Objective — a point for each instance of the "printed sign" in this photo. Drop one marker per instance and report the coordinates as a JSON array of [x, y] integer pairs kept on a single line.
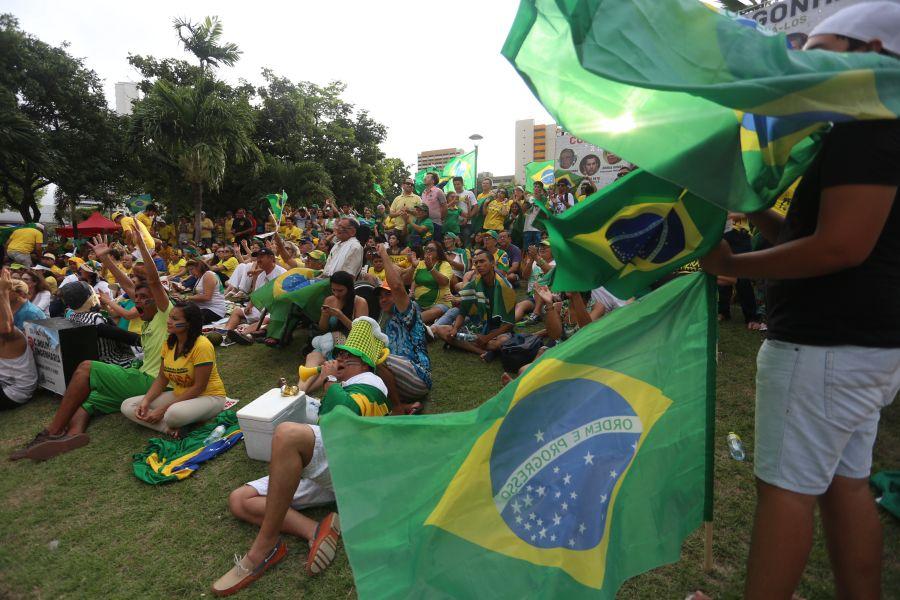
[[45, 346], [796, 18], [586, 160]]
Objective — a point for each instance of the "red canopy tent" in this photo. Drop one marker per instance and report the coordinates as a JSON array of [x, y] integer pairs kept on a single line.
[[93, 225]]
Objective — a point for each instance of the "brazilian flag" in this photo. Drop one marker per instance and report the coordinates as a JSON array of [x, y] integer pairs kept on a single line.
[[714, 103], [539, 171], [591, 467], [295, 287], [137, 204], [573, 179], [629, 234], [378, 190], [276, 204], [461, 166]]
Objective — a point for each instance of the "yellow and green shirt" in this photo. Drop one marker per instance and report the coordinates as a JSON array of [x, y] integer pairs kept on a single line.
[[364, 394]]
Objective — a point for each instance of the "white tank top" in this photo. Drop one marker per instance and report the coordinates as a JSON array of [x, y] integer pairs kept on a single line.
[[19, 376], [216, 303]]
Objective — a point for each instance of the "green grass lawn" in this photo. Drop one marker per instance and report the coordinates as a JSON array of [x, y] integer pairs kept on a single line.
[[121, 538]]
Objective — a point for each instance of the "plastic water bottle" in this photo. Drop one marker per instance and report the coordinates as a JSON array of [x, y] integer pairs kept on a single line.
[[215, 435], [464, 336], [736, 446]]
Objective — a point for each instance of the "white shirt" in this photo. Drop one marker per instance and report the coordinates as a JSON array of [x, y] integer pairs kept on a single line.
[[530, 215], [609, 302], [345, 256], [466, 202], [264, 278], [42, 300], [367, 378], [559, 205]]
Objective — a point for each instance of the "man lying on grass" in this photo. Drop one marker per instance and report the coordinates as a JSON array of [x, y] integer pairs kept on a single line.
[[97, 387], [298, 472]]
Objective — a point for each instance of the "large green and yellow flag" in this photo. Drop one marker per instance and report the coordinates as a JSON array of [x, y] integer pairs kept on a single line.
[[591, 467], [629, 234], [694, 96], [539, 171], [419, 184], [296, 287], [461, 166], [276, 203]]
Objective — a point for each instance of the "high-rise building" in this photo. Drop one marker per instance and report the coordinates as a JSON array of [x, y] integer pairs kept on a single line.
[[533, 142], [436, 159], [126, 93]]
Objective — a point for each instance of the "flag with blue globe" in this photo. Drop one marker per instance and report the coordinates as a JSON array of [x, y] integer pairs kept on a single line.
[[589, 468]]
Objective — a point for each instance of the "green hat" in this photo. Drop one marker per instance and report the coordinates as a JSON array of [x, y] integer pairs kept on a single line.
[[493, 234], [450, 234], [366, 341], [317, 255]]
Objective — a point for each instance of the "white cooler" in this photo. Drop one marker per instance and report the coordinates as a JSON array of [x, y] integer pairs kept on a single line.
[[259, 419]]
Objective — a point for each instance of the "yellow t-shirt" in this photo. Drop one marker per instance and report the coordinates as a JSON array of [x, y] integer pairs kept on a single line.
[[143, 218], [400, 202], [401, 260], [61, 271], [290, 232], [379, 274], [129, 224], [51, 284], [228, 235], [168, 233], [180, 370], [24, 239], [176, 265], [110, 278], [206, 228], [496, 211], [228, 266]]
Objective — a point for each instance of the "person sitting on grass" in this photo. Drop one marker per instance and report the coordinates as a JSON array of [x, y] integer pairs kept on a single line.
[[97, 387], [298, 471], [431, 282], [486, 307], [113, 344], [339, 310], [207, 294], [407, 370], [501, 258], [18, 373], [189, 367], [538, 263]]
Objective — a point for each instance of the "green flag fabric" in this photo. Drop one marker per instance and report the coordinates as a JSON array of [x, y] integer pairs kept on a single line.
[[460, 166], [692, 95], [591, 467], [137, 204], [378, 189], [419, 182], [629, 234], [276, 203], [296, 287], [166, 460], [539, 171], [573, 178]]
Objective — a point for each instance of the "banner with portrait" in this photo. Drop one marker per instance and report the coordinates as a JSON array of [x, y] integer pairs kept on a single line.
[[587, 161]]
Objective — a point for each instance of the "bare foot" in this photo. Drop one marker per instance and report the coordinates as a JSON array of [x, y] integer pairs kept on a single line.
[[505, 378]]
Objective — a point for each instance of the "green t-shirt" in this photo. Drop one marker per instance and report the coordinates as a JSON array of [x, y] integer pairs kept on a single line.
[[364, 394], [451, 221], [427, 234], [153, 335]]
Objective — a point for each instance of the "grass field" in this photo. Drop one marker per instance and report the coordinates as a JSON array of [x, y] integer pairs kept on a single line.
[[121, 538]]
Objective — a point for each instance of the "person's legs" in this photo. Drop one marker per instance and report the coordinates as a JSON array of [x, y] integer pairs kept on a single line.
[[248, 505], [195, 410], [433, 313], [780, 542], [854, 538], [292, 448], [523, 307], [235, 318], [76, 393], [725, 292], [747, 299]]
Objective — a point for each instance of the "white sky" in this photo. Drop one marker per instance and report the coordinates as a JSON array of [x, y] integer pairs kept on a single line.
[[430, 70]]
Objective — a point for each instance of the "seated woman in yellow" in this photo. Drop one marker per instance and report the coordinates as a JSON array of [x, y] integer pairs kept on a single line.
[[227, 263], [178, 265], [189, 367], [431, 282]]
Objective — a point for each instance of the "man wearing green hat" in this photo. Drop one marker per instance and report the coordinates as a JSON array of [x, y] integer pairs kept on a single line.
[[501, 258], [298, 471]]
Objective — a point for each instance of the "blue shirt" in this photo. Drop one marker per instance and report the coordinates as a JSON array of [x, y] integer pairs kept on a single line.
[[27, 312], [406, 339]]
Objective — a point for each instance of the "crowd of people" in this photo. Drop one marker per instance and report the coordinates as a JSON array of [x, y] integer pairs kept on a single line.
[[451, 267]]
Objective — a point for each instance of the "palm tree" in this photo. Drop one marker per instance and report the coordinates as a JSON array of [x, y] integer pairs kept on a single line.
[[196, 129]]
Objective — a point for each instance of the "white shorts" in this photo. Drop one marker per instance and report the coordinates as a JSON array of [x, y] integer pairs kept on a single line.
[[817, 412], [315, 486]]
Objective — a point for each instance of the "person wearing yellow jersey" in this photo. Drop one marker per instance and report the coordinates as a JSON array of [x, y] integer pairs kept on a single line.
[[289, 231], [23, 242], [129, 225], [147, 217], [227, 263], [401, 211], [177, 267], [229, 220], [495, 210], [188, 367], [206, 230]]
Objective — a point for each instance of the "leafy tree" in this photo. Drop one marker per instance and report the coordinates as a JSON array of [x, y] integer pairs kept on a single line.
[[201, 128], [51, 110], [390, 173]]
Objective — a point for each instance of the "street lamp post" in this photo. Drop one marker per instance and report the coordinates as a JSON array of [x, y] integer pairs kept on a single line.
[[475, 137]]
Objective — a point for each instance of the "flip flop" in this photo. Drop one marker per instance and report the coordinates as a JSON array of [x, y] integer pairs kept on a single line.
[[241, 574], [324, 546]]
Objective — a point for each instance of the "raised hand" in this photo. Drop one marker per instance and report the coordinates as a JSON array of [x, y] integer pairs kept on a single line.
[[99, 246]]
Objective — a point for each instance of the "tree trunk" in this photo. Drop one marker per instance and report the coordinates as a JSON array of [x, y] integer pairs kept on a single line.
[[28, 207], [74, 220], [197, 193]]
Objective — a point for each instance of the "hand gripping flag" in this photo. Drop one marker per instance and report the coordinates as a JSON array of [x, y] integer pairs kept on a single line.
[[591, 467], [712, 103], [539, 171], [460, 166], [629, 234]]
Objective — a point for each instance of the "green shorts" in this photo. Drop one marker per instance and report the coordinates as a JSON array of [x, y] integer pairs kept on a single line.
[[111, 385]]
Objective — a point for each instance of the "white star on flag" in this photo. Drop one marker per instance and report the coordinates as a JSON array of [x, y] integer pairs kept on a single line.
[[565, 506], [603, 498], [573, 495], [539, 436], [540, 522], [552, 538], [543, 532], [556, 469], [634, 446], [532, 538], [613, 474], [541, 491], [567, 479], [572, 542], [527, 526], [516, 506], [527, 488], [519, 519], [588, 459], [532, 517], [556, 519], [581, 528], [528, 501], [557, 494]]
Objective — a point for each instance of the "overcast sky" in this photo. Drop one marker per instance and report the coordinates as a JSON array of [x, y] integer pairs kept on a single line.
[[430, 70]]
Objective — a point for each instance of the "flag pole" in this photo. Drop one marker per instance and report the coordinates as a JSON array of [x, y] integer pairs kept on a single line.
[[712, 336]]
